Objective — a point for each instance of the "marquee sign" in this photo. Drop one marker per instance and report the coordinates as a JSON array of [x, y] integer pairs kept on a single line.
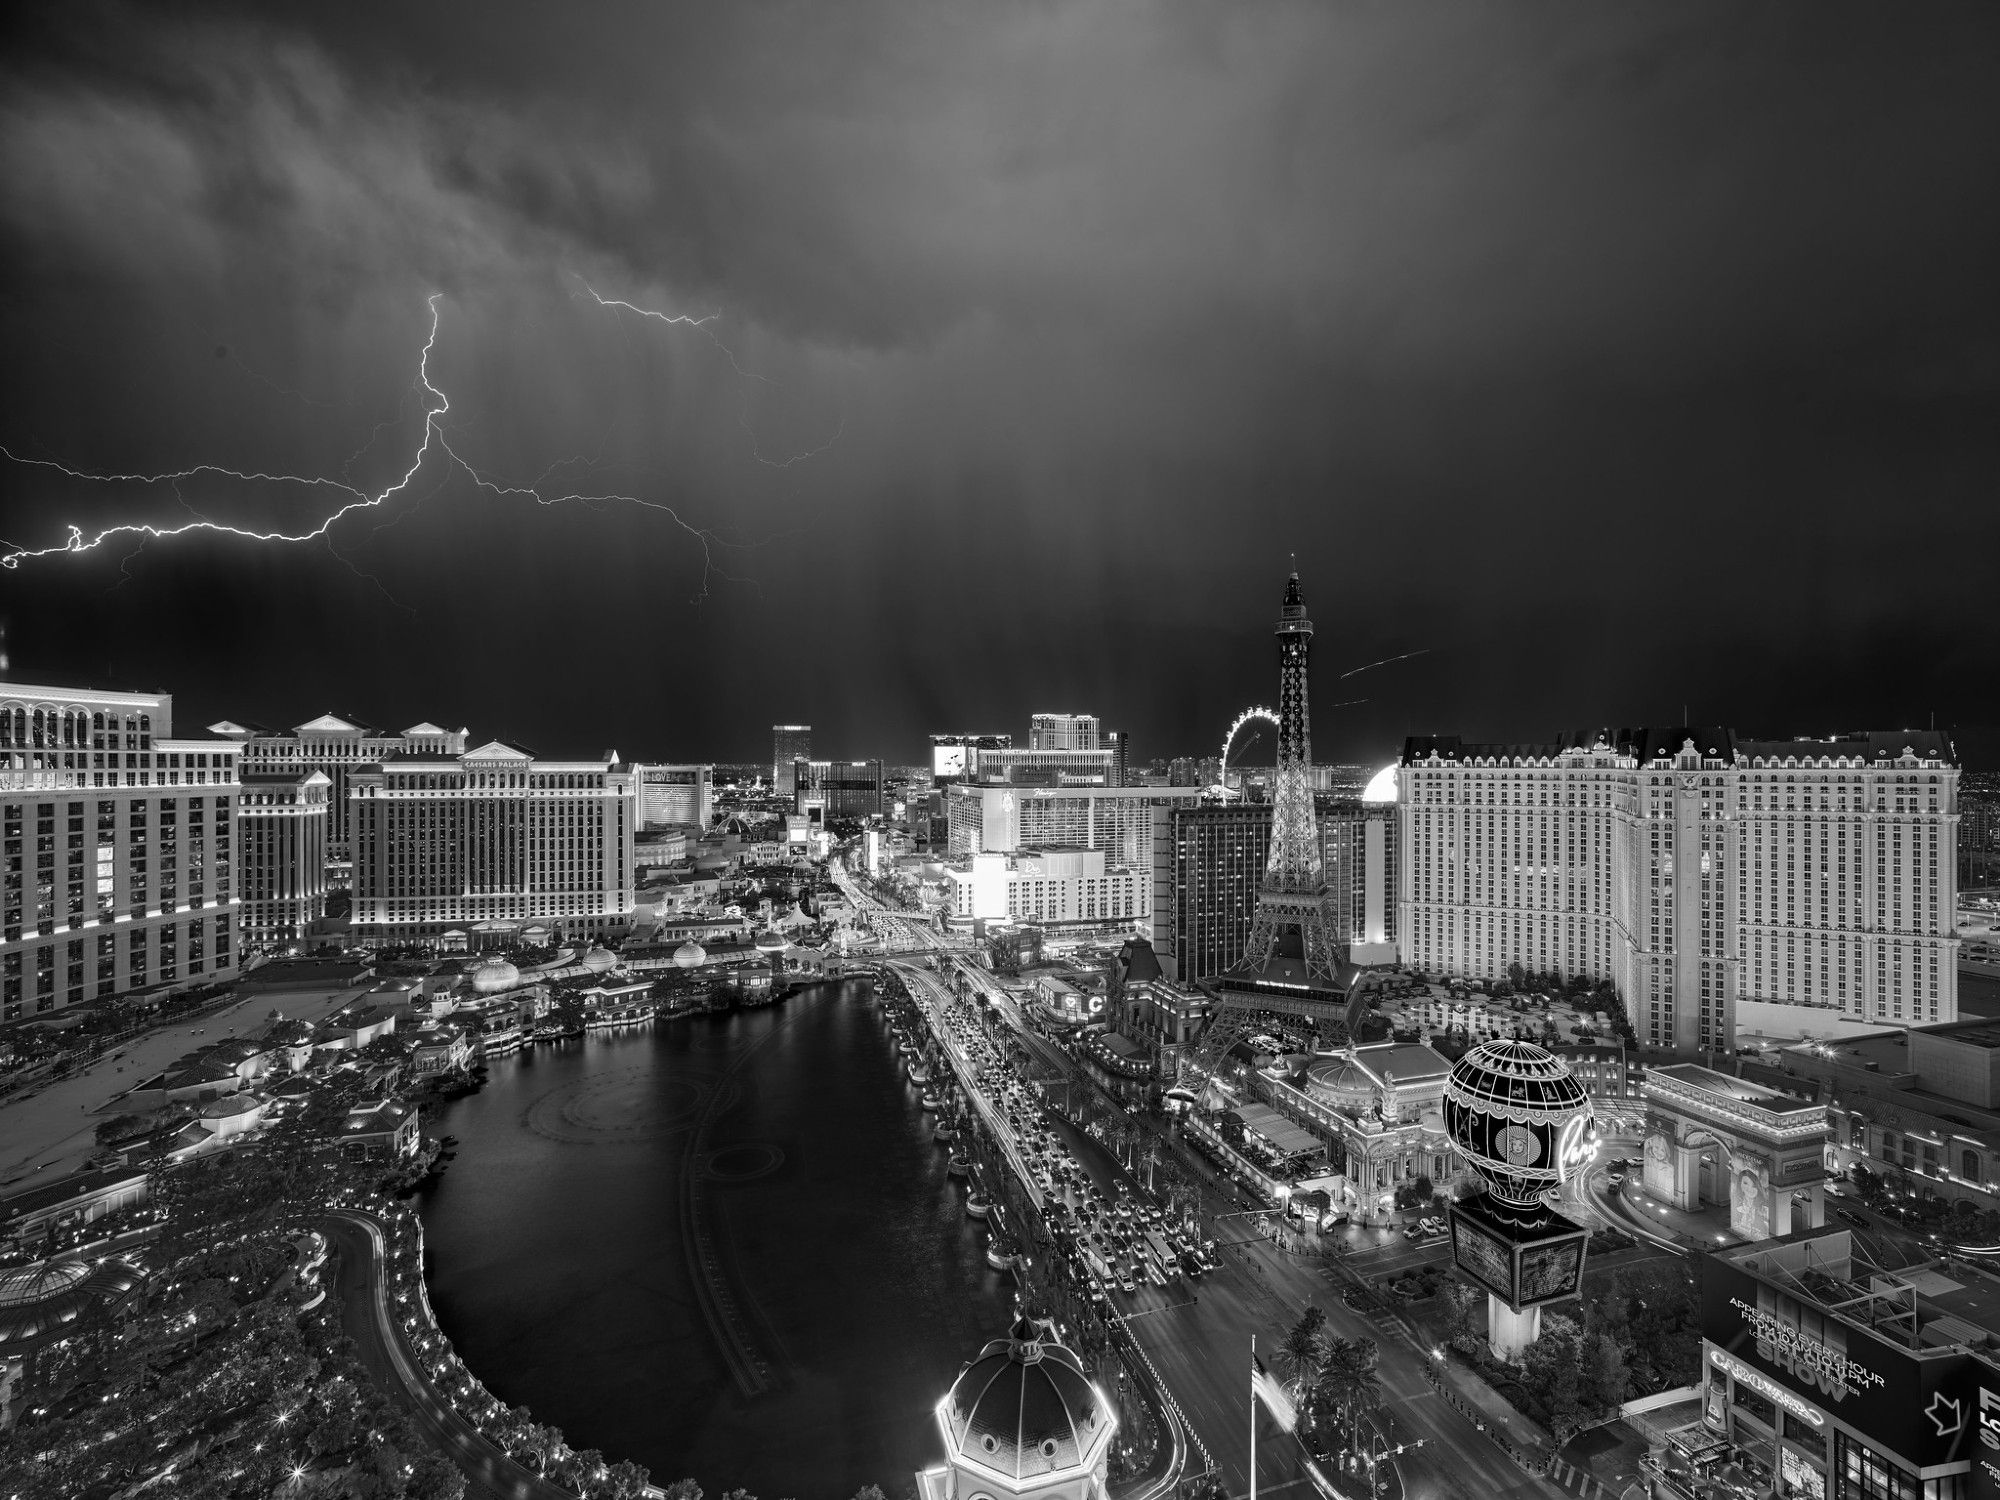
[[1816, 1367]]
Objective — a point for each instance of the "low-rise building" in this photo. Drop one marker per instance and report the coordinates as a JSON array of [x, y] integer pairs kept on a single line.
[[1159, 1017], [1611, 1074], [352, 1029], [661, 848], [383, 1130], [1378, 1110], [63, 1202], [436, 1050]]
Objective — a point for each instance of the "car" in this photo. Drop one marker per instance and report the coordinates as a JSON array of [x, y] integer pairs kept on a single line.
[[1128, 1285]]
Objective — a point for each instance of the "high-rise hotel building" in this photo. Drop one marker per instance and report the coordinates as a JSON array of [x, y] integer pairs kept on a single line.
[[1782, 885], [680, 796], [789, 742], [442, 842], [337, 748], [1003, 819], [1065, 732], [281, 882], [116, 848], [1209, 857]]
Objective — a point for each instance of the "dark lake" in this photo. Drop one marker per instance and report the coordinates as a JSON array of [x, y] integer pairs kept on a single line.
[[724, 1247]]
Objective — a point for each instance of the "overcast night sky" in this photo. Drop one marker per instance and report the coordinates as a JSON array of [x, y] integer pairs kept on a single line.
[[1618, 357]]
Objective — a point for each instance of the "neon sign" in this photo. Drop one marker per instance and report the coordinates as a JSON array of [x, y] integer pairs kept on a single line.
[[1766, 1387], [1573, 1152]]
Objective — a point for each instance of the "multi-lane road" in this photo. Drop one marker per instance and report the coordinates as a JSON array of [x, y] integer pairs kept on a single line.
[[1197, 1337], [489, 1473]]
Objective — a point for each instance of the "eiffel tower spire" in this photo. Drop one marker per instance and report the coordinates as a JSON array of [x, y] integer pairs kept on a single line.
[[1293, 900]]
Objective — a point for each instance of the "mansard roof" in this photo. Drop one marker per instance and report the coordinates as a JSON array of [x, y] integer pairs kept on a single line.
[[1645, 744], [1875, 746]]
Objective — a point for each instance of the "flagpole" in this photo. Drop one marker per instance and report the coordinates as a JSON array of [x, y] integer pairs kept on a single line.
[[1253, 1417]]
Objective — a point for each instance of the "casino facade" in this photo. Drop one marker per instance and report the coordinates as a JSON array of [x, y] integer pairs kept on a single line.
[[1830, 1378]]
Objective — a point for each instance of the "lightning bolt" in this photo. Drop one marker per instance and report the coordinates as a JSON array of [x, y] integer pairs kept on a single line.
[[687, 320], [435, 441], [1382, 663]]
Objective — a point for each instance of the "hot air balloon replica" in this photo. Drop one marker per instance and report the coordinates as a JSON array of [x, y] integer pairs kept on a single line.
[[1522, 1123]]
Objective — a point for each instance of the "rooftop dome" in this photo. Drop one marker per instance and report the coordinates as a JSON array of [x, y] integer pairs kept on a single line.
[[39, 1302], [690, 955], [1382, 787], [1342, 1082], [1519, 1116], [599, 961], [772, 942], [1025, 1409], [495, 975]]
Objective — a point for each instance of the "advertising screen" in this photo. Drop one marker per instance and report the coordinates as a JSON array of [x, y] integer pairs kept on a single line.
[[947, 760], [1484, 1257], [1549, 1272]]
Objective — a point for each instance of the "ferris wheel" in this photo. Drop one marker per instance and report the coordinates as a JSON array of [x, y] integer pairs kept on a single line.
[[1268, 716]]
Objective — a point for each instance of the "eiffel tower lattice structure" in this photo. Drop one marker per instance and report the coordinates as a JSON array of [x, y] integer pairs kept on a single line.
[[1291, 969]]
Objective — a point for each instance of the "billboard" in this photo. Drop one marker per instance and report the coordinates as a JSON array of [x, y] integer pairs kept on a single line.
[[1551, 1272], [947, 760], [1524, 1265], [1815, 1365], [1484, 1257]]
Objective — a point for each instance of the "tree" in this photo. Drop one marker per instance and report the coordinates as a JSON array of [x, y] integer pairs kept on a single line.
[[683, 1489], [1605, 1372], [1302, 1352], [118, 1127], [1552, 1373], [1348, 1386]]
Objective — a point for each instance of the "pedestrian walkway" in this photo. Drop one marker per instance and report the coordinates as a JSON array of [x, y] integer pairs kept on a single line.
[[1525, 1441], [1579, 1482]]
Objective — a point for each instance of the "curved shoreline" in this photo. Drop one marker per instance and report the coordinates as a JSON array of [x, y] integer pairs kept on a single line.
[[488, 1468], [713, 1298]]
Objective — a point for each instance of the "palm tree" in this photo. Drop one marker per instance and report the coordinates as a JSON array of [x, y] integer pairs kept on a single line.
[[1348, 1384], [1302, 1353]]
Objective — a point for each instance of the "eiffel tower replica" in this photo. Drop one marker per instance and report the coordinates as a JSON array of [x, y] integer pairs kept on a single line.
[[1291, 969]]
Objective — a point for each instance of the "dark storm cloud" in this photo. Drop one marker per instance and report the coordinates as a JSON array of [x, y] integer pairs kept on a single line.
[[1587, 347]]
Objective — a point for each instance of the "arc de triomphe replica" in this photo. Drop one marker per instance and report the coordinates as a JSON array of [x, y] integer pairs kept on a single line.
[[1712, 1138]]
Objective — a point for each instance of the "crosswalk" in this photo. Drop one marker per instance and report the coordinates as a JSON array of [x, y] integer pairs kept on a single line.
[[1584, 1485]]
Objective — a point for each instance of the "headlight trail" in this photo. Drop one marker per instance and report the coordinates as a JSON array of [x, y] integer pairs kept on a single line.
[[350, 498]]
